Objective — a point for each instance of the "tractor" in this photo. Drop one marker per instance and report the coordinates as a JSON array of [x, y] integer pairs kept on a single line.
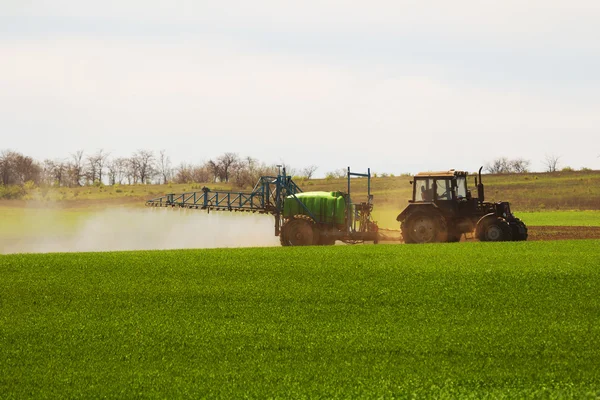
[[442, 209]]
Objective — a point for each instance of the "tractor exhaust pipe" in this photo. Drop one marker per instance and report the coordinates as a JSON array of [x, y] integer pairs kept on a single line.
[[480, 191]]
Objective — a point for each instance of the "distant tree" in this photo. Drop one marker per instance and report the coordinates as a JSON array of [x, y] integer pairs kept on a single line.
[[76, 168], [183, 173], [500, 165], [215, 170], [16, 169], [132, 170], [117, 170], [55, 172], [189, 173], [91, 169], [503, 165], [144, 162], [339, 173], [309, 171], [227, 162], [164, 166], [101, 158], [520, 165], [7, 173], [551, 162]]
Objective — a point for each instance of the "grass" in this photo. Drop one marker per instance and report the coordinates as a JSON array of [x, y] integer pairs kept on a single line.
[[561, 218], [474, 320]]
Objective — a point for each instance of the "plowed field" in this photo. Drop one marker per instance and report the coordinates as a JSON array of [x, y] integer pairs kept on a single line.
[[563, 232], [535, 233]]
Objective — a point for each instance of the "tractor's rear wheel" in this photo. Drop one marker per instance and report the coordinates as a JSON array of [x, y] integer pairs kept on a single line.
[[298, 231], [497, 230], [422, 227], [519, 230]]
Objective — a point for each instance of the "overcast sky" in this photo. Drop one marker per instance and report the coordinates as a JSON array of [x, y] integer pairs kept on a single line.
[[398, 86]]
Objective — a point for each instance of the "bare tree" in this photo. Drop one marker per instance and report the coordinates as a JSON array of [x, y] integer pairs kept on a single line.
[[132, 170], [227, 162], [117, 169], [500, 165], [16, 169], [76, 168], [55, 172], [520, 165], [7, 167], [338, 173], [91, 170], [145, 164], [101, 158], [164, 166], [551, 162], [309, 171], [503, 165], [183, 173], [215, 170], [188, 173]]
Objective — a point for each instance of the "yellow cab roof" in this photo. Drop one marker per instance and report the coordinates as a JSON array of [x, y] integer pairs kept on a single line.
[[441, 174]]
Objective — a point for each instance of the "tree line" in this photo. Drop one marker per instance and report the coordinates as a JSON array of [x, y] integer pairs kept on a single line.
[[145, 167], [504, 165], [142, 167]]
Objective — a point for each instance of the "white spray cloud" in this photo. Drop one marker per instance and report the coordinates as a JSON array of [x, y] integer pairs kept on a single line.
[[127, 228]]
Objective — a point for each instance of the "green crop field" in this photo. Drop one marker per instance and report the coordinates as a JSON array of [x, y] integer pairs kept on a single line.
[[562, 218], [466, 320]]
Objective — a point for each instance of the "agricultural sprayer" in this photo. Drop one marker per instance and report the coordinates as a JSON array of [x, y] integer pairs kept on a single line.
[[301, 218]]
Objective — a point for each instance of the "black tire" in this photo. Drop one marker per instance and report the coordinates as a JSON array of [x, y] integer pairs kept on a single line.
[[495, 230], [326, 241], [283, 234], [519, 230], [298, 231], [424, 227], [454, 237]]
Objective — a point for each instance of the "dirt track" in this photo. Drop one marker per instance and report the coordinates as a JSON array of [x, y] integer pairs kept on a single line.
[[563, 232], [535, 233]]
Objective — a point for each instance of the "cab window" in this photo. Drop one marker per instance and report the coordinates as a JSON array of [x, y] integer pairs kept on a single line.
[[444, 189], [424, 190], [461, 187]]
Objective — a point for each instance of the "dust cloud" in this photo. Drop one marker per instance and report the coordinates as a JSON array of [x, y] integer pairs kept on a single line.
[[128, 228]]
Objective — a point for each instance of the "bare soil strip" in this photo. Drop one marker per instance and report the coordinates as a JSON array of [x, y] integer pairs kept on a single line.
[[535, 233], [563, 232]]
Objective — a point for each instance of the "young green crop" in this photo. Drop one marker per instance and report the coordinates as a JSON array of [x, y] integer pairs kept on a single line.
[[497, 320], [561, 218]]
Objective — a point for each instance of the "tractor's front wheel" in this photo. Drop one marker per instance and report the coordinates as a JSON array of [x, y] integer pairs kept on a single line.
[[423, 227], [497, 230], [519, 230]]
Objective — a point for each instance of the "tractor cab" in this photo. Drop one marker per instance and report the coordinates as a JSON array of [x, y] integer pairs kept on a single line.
[[440, 186]]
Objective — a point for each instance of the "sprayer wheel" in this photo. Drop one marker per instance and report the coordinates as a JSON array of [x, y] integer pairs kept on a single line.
[[298, 231]]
